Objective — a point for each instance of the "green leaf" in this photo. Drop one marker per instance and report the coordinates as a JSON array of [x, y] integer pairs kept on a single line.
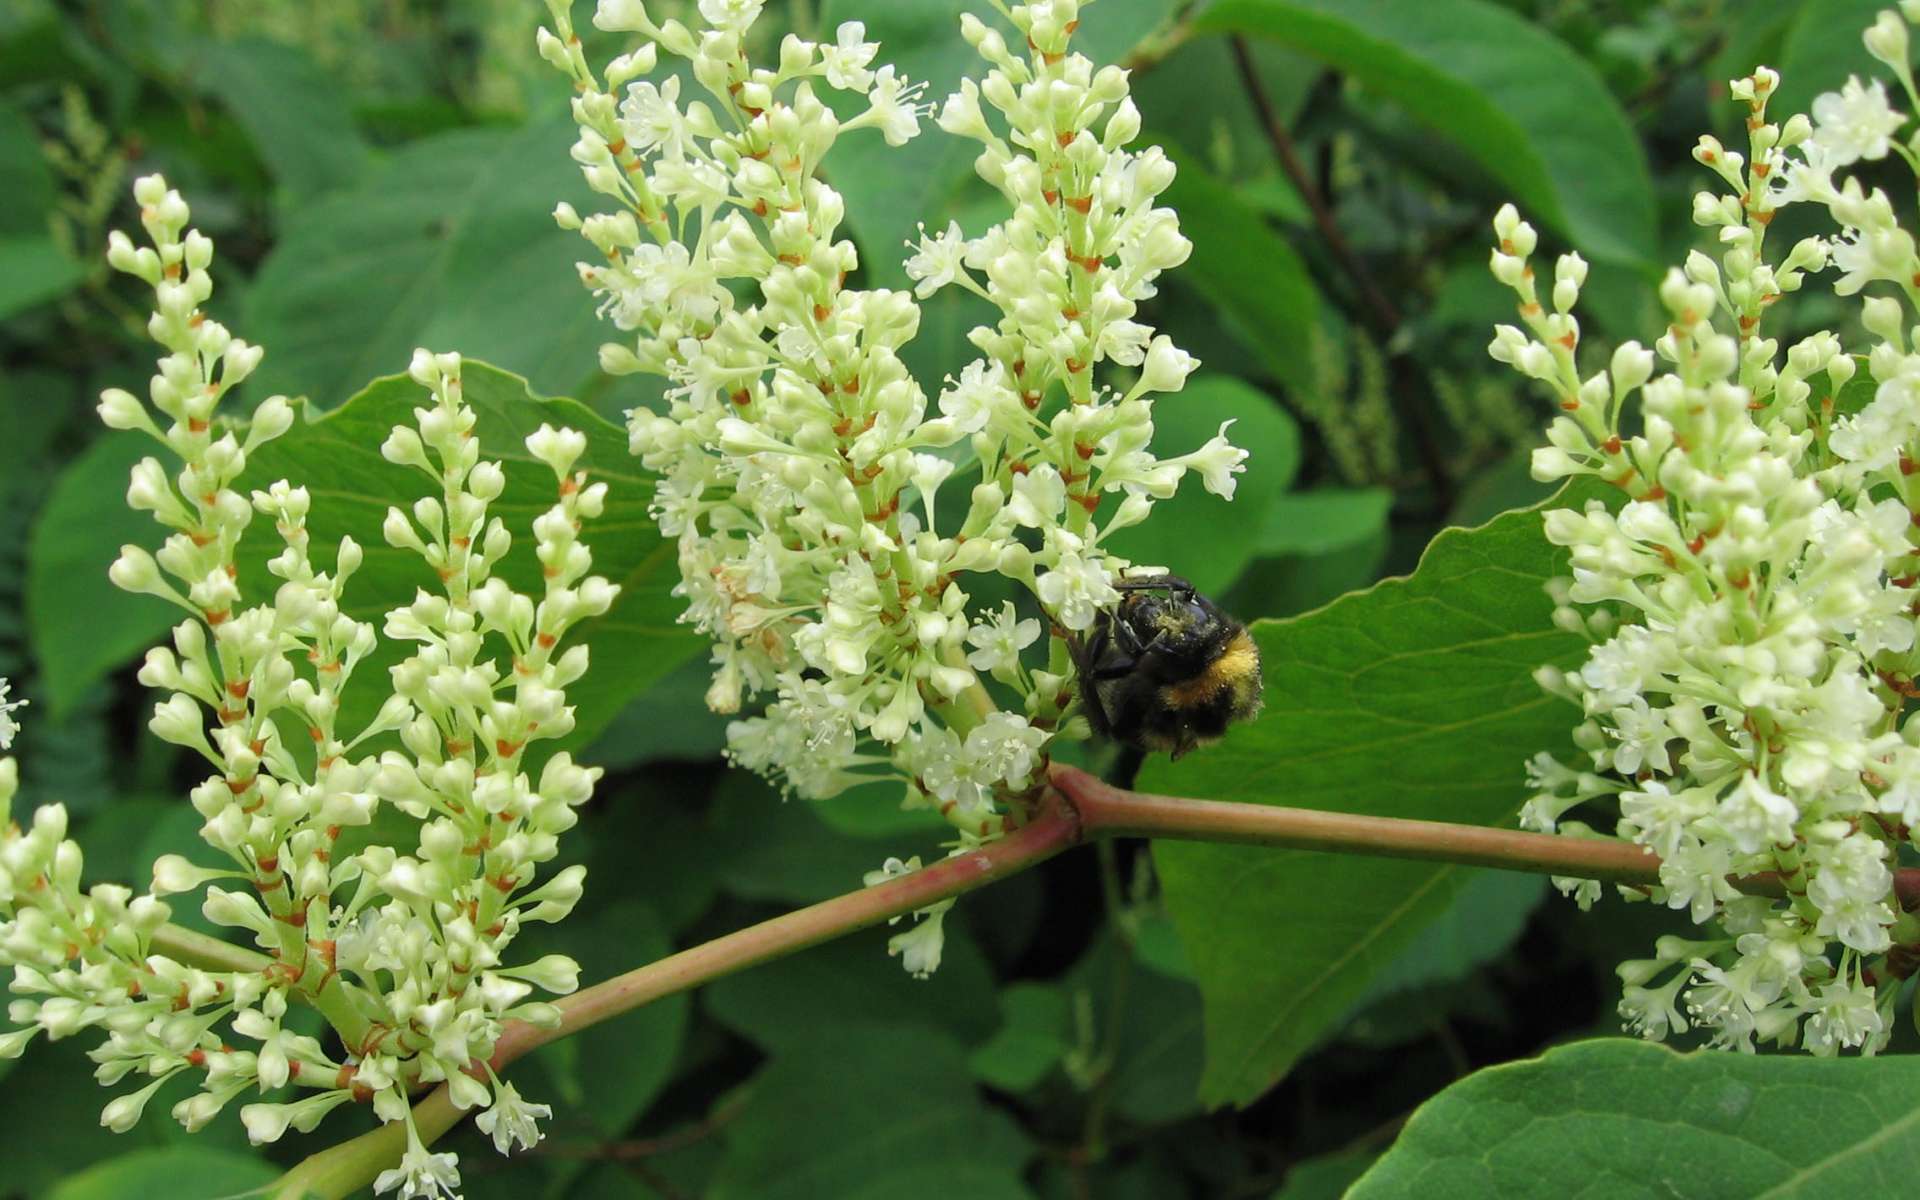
[[949, 1181], [1526, 107], [1256, 283], [25, 179], [1031, 1041], [668, 722], [784, 852], [176, 1173], [83, 626], [1324, 520], [1488, 914], [1507, 485], [1613, 1117], [1414, 698], [449, 244], [854, 1107], [1196, 533], [645, 842], [1821, 48], [294, 111], [34, 270]]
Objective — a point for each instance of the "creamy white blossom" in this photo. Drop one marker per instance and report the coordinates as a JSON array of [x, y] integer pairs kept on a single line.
[[1748, 588], [407, 950], [829, 521]]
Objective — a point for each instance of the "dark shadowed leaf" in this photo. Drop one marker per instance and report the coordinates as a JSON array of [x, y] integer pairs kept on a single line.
[[605, 1077], [858, 1106], [295, 112]]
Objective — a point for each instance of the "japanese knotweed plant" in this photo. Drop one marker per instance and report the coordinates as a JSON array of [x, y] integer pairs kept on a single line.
[[407, 951], [801, 467], [1752, 602]]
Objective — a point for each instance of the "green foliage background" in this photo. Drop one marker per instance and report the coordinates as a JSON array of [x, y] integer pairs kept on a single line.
[[1127, 1023]]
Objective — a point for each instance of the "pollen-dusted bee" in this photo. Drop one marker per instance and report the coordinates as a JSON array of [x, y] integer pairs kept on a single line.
[[1165, 668]]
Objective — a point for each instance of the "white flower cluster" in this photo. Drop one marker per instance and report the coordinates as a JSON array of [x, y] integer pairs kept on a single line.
[[799, 466], [1752, 602], [9, 724], [404, 954]]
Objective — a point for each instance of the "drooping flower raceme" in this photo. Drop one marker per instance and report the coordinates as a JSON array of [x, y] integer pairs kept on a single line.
[[807, 485], [407, 951], [1752, 598]]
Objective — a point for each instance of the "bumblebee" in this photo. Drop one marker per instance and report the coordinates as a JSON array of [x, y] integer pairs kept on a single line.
[[1165, 668]]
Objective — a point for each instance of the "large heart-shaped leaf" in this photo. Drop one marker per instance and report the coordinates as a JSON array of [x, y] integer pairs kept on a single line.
[[1414, 698]]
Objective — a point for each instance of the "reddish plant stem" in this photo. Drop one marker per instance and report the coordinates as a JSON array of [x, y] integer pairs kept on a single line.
[[1078, 808]]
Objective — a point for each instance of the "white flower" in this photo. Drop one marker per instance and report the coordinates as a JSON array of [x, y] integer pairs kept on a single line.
[[1218, 462], [961, 782], [895, 106], [1854, 123], [731, 15], [937, 260], [1845, 1016], [1755, 816], [421, 1175], [9, 724], [1005, 747], [650, 117], [919, 947], [1076, 586], [846, 58], [999, 640], [511, 1121], [1166, 369], [980, 394]]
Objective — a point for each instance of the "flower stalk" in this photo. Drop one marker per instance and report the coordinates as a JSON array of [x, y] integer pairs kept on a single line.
[[1078, 808]]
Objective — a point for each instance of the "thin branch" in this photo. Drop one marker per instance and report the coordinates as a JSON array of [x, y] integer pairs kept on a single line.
[[1079, 807], [1380, 311], [1382, 314], [1108, 810], [344, 1169]]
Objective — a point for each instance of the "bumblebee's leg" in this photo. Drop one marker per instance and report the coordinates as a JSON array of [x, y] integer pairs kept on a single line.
[[1130, 641], [1172, 584]]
